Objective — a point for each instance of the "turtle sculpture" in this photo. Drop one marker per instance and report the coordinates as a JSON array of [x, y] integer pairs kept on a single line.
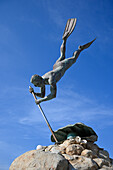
[[71, 131]]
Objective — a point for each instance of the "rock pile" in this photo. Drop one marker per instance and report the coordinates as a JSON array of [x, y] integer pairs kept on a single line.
[[72, 154]]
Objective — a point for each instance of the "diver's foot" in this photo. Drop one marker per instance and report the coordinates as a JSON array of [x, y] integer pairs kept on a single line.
[[70, 25], [82, 47]]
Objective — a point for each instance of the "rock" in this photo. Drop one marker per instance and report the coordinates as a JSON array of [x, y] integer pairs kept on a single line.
[[74, 149], [111, 161], [93, 147], [67, 142], [40, 147], [83, 143], [57, 149], [77, 153], [82, 163], [88, 153], [39, 160], [91, 138], [106, 168], [62, 150], [68, 157], [49, 148], [103, 154], [77, 139], [101, 162]]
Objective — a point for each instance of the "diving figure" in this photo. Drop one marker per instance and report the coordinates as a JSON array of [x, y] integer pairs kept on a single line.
[[59, 68]]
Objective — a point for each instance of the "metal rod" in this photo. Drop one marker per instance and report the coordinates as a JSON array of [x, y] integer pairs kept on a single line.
[[45, 118]]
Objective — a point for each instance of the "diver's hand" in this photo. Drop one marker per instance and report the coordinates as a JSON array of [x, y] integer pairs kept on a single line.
[[37, 102], [31, 90]]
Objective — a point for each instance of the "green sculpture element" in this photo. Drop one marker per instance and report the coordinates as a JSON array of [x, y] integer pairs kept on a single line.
[[71, 131], [62, 64]]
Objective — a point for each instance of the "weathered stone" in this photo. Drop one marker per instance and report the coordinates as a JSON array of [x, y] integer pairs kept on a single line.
[[74, 149], [49, 148], [40, 147], [88, 153], [83, 143], [62, 150], [77, 139], [93, 147], [68, 142], [106, 168], [57, 149], [91, 138], [101, 162], [103, 154], [82, 163], [39, 160], [111, 161], [68, 157]]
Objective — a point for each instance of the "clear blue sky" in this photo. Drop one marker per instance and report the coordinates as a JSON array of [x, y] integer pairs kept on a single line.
[[30, 38]]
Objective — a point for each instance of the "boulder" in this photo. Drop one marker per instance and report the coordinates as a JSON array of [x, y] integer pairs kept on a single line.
[[82, 163], [67, 142], [93, 147], [91, 138], [57, 149], [106, 168], [74, 149], [49, 148], [101, 162], [39, 160], [83, 143], [88, 153], [68, 157], [103, 154]]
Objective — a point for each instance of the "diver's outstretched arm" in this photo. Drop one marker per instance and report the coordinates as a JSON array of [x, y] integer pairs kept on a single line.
[[50, 96], [41, 94]]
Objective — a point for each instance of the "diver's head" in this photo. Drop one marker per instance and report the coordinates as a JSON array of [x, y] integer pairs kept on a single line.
[[37, 80]]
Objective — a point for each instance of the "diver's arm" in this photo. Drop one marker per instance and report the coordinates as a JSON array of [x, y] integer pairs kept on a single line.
[[41, 94], [52, 95]]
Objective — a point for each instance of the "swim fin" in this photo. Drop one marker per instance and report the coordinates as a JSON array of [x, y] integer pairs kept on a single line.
[[82, 47], [69, 28]]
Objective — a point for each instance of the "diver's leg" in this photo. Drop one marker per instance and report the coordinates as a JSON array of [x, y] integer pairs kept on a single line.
[[62, 51], [81, 48], [70, 25], [70, 61]]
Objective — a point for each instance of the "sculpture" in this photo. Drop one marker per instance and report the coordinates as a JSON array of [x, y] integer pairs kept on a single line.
[[59, 68], [71, 131]]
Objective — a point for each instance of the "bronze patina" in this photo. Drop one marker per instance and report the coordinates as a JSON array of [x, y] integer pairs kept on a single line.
[[59, 68], [78, 129]]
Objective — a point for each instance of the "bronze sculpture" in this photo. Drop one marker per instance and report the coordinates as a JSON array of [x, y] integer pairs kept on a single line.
[[59, 68]]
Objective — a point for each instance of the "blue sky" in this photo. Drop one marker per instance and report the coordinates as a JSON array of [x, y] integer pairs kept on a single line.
[[30, 38]]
